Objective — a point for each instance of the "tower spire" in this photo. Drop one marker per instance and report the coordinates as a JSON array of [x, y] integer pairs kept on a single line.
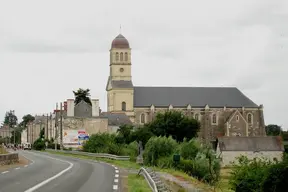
[[120, 29]]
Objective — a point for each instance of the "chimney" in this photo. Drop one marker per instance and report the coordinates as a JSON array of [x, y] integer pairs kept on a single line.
[[95, 107], [70, 107]]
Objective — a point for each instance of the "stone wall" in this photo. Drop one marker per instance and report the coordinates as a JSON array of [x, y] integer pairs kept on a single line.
[[229, 156], [237, 119], [10, 158]]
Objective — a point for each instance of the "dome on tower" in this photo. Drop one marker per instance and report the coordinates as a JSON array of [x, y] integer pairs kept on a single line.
[[120, 42]]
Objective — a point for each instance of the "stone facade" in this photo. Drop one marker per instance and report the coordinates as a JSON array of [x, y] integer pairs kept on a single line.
[[10, 158], [221, 111], [215, 122]]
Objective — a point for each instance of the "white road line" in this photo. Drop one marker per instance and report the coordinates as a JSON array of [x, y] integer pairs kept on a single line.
[[51, 178], [17, 168], [5, 172], [116, 167], [25, 165], [32, 162], [116, 180], [116, 175], [116, 171], [115, 187]]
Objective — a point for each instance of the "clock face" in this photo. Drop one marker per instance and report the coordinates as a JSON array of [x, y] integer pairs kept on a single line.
[[121, 69]]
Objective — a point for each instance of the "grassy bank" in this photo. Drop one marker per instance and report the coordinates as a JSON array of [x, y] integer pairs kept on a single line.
[[221, 186], [137, 183], [2, 151]]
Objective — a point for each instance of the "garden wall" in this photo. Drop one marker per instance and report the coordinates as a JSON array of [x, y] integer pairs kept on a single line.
[[9, 158]]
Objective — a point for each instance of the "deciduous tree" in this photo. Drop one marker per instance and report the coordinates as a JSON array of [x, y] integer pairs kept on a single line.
[[82, 95]]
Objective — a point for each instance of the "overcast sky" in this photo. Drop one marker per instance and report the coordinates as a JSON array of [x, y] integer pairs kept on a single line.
[[49, 48]]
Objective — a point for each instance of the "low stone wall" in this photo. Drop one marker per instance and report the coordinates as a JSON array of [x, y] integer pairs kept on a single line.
[[9, 158]]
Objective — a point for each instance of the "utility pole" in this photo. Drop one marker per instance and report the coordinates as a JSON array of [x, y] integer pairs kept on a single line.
[[46, 131], [56, 126], [61, 127], [32, 139], [50, 125], [14, 135]]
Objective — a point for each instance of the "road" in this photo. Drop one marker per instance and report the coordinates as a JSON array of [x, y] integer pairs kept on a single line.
[[48, 172]]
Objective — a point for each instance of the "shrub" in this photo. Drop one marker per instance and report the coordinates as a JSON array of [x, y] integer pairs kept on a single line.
[[248, 175], [165, 162], [101, 143], [276, 178], [189, 149], [158, 147], [39, 144]]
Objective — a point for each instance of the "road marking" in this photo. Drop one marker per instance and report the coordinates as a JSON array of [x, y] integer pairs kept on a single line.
[[116, 180], [25, 165], [115, 187], [116, 175], [5, 172], [53, 177], [116, 171], [116, 167], [17, 168], [32, 162]]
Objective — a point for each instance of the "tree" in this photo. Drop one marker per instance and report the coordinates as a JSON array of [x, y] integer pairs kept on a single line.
[[124, 132], [273, 130], [175, 124], [17, 134], [25, 120], [10, 119], [142, 134], [82, 95]]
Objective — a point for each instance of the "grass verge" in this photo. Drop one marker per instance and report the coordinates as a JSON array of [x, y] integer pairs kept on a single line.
[[137, 183], [2, 150], [222, 185]]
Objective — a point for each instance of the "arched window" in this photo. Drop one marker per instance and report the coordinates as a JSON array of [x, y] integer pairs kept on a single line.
[[121, 56], [237, 117], [126, 56], [142, 118], [117, 56], [214, 119], [249, 118], [197, 117], [123, 106]]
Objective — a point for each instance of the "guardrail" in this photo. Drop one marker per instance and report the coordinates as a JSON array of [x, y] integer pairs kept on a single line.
[[100, 155], [148, 178]]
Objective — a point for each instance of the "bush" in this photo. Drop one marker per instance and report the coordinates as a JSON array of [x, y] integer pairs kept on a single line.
[[39, 144], [277, 178], [189, 149], [248, 175], [158, 147]]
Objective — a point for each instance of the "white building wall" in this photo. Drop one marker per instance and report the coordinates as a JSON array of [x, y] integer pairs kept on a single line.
[[70, 107], [229, 156], [95, 107], [24, 136]]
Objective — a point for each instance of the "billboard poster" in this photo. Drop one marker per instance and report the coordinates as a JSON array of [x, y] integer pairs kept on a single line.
[[75, 138]]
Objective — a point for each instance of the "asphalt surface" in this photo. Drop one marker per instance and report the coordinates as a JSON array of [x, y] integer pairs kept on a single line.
[[56, 173]]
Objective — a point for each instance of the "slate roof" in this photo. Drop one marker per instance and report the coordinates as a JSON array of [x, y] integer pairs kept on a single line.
[[122, 84], [270, 143], [195, 96], [116, 118]]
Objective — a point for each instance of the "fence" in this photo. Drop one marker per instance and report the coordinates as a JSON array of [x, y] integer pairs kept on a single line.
[[100, 155]]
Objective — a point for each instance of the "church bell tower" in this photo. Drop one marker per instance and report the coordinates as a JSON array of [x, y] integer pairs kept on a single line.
[[119, 87]]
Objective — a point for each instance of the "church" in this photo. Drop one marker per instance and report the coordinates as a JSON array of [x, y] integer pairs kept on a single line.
[[222, 111]]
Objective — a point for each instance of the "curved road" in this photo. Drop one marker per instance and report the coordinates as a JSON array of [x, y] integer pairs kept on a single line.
[[56, 173]]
